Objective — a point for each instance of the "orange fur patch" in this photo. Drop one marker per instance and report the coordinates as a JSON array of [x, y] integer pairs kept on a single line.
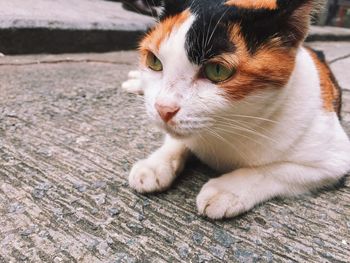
[[153, 40], [330, 90], [253, 4], [270, 67]]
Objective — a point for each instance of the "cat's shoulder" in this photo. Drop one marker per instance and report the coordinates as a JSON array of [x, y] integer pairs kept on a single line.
[[330, 89]]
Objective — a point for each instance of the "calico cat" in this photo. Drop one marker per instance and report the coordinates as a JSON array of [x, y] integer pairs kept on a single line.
[[230, 82]]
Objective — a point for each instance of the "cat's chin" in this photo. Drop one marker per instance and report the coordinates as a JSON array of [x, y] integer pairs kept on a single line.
[[176, 134], [173, 132]]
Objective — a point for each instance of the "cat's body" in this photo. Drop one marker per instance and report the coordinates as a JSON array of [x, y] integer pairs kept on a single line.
[[271, 126]]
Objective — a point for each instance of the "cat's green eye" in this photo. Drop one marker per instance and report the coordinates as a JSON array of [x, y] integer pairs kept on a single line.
[[153, 62], [217, 72]]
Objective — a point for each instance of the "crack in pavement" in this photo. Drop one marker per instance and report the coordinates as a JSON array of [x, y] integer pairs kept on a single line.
[[339, 58], [65, 61], [107, 62]]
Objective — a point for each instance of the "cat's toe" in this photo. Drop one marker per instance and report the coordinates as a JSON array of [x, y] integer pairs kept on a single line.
[[134, 74], [147, 176], [217, 203], [133, 86]]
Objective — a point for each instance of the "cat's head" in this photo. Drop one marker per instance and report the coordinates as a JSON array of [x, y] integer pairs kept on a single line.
[[209, 60]]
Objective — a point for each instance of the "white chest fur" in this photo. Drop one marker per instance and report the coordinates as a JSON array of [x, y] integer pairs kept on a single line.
[[290, 125]]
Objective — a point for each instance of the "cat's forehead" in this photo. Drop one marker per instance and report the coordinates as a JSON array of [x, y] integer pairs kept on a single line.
[[206, 37], [216, 23]]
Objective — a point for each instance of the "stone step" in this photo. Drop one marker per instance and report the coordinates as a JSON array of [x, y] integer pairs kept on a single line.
[[74, 26]]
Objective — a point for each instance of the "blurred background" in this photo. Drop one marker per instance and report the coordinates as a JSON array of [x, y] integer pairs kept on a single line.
[[336, 13], [71, 26]]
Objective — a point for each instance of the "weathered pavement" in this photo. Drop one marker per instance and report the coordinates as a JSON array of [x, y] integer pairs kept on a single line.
[[68, 137]]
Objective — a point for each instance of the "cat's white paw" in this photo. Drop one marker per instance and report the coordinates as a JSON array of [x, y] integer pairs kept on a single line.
[[150, 175], [134, 83], [134, 74], [216, 202]]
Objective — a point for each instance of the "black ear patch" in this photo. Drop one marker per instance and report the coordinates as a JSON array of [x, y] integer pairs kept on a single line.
[[209, 34], [289, 22]]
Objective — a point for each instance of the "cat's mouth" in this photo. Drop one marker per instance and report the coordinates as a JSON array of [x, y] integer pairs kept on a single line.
[[182, 129], [177, 131], [174, 132]]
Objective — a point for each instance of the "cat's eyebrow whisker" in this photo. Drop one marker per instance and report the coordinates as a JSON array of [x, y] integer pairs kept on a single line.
[[217, 24], [207, 34], [195, 33], [209, 50], [203, 36]]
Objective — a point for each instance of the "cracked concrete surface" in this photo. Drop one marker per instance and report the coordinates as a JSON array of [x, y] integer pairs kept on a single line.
[[338, 55], [68, 137]]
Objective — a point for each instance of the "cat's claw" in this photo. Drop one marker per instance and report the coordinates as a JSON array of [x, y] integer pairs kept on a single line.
[[134, 83], [217, 203], [149, 175]]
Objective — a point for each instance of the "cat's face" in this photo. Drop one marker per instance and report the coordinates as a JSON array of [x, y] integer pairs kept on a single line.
[[208, 60]]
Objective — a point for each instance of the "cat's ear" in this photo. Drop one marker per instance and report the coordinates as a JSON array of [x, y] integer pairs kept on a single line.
[[173, 7], [295, 18], [287, 19]]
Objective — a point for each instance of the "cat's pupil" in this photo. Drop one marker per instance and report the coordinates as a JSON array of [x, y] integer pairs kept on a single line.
[[217, 69]]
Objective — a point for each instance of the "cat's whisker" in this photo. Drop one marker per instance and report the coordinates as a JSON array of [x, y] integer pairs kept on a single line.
[[211, 148], [217, 24], [253, 117], [208, 31], [226, 123], [218, 136], [268, 138], [229, 127], [233, 146], [246, 124]]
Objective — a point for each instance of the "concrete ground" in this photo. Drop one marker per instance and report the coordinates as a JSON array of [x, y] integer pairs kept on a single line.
[[68, 138]]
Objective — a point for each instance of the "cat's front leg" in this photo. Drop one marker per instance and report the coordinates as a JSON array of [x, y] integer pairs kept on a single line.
[[239, 191], [133, 84], [158, 171]]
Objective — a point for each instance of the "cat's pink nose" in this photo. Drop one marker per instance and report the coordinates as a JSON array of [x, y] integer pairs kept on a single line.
[[167, 112]]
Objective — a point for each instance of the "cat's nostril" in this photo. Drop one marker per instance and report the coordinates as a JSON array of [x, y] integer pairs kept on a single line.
[[167, 112]]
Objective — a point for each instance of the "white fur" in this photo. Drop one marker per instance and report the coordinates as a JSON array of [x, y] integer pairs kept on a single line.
[[133, 84], [272, 143], [158, 171]]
